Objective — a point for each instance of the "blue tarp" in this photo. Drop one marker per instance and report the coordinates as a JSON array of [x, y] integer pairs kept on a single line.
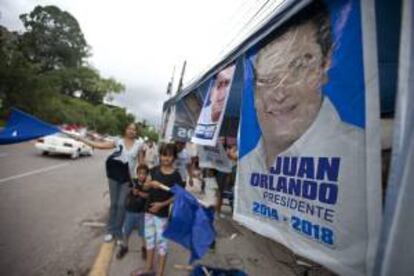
[[23, 127], [198, 271], [190, 225]]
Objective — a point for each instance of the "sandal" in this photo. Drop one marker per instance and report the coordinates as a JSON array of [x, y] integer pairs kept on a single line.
[[143, 253], [122, 251]]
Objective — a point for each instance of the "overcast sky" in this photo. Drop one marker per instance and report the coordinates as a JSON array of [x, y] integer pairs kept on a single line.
[[138, 42]]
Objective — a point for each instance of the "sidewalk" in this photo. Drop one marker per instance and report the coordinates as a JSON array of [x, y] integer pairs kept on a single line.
[[236, 247]]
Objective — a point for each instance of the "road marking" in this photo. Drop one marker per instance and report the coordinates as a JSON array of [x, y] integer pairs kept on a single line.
[[94, 224], [33, 172], [102, 261]]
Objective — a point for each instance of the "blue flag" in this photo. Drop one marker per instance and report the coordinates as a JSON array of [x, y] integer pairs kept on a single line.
[[200, 270], [191, 225], [23, 127]]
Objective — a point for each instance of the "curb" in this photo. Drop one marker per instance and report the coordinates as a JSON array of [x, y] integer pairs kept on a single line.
[[102, 261]]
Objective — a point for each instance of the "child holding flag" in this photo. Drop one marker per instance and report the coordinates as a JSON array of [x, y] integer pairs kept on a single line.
[[157, 209]]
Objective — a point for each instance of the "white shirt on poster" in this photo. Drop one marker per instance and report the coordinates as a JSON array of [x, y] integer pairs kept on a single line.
[[328, 136]]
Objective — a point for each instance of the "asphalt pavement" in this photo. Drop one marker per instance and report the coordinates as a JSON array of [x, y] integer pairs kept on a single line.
[[53, 210], [47, 204]]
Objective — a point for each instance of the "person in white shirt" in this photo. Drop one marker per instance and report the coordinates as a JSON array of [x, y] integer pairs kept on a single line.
[[150, 153], [127, 151], [183, 163]]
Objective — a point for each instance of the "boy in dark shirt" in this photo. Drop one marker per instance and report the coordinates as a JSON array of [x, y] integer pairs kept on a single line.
[[157, 208], [135, 211]]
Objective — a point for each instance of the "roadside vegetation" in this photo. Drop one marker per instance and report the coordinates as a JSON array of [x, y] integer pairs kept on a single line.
[[44, 71]]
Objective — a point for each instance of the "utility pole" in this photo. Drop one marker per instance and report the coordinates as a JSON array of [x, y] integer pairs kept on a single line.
[[171, 83], [180, 84]]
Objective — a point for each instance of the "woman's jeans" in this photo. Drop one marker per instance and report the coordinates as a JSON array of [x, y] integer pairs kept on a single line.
[[117, 192]]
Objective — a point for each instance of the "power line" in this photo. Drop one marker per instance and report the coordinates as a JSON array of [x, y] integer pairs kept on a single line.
[[246, 26], [239, 8], [240, 20], [249, 27], [239, 32], [242, 28], [260, 23], [240, 16]]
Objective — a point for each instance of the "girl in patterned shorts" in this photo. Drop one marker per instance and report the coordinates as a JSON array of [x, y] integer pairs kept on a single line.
[[157, 209]]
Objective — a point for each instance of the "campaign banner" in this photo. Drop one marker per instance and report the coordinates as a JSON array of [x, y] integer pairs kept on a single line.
[[231, 119], [214, 158], [168, 118], [307, 142], [183, 123], [187, 111], [215, 102], [23, 127]]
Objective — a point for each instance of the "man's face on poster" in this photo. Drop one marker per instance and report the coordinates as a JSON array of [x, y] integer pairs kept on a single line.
[[290, 72], [219, 91]]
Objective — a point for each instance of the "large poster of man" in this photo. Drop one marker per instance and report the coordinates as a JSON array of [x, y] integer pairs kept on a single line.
[[303, 139], [211, 117]]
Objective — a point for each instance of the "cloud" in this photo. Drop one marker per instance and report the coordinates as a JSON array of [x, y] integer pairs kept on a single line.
[[145, 102], [139, 42]]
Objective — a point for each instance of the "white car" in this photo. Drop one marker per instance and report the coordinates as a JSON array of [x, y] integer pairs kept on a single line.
[[62, 144]]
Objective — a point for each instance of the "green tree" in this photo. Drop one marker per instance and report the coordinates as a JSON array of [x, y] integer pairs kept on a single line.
[[149, 131], [44, 72], [86, 83], [53, 39], [20, 85]]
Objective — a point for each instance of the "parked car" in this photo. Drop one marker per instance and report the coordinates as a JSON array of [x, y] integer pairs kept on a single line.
[[109, 138], [62, 144]]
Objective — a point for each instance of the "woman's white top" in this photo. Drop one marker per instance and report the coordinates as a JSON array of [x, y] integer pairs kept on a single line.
[[129, 155]]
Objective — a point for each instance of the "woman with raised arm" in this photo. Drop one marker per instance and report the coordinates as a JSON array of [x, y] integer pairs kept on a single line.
[[120, 168]]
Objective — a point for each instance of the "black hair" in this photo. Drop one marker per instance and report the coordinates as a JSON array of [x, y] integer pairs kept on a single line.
[[125, 126], [143, 167], [168, 149]]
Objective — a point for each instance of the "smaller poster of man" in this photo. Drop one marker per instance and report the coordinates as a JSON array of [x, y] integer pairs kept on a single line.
[[211, 117], [214, 158]]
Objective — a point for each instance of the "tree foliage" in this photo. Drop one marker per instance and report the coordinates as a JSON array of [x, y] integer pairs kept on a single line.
[[150, 133], [53, 39], [44, 71], [86, 83]]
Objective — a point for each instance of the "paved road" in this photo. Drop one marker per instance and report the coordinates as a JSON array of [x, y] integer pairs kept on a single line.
[[44, 204]]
